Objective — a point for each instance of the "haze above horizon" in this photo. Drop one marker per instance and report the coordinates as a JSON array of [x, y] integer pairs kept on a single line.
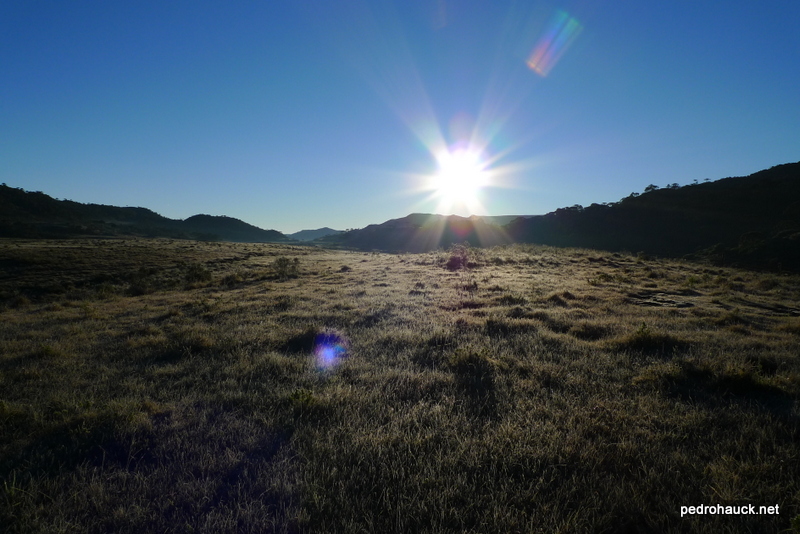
[[299, 115]]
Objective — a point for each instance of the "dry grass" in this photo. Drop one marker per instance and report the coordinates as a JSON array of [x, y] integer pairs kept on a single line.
[[172, 386]]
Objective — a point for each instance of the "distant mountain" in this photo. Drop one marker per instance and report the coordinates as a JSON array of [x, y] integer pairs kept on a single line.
[[310, 235], [751, 221], [421, 232], [35, 214], [230, 229]]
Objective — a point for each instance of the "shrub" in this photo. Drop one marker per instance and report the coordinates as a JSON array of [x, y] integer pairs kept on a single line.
[[459, 258], [196, 272], [285, 268], [142, 281]]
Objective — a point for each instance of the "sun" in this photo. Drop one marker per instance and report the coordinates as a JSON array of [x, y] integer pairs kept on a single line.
[[460, 178]]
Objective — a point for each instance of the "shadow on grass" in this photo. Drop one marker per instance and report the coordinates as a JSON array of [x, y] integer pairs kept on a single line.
[[699, 383], [504, 328], [589, 331], [97, 439], [302, 343], [475, 377], [247, 473], [431, 353]]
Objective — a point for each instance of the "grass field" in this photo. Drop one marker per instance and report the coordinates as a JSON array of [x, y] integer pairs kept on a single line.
[[174, 386]]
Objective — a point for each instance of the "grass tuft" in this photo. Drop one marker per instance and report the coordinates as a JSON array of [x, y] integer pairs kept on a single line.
[[644, 339]]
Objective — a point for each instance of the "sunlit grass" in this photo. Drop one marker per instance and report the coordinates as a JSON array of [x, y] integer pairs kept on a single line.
[[173, 386]]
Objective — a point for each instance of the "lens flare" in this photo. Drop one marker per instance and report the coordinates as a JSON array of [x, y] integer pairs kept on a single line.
[[561, 33], [330, 348]]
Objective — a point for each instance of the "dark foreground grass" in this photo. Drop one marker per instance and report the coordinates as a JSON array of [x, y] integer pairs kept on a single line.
[[159, 386]]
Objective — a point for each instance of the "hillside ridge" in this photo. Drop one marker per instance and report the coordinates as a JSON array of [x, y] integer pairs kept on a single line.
[[34, 214], [751, 221]]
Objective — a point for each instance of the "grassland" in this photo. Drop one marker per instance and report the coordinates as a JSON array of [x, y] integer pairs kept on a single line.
[[173, 386]]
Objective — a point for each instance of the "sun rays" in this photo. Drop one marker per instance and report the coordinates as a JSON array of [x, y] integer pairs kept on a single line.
[[468, 148], [459, 180]]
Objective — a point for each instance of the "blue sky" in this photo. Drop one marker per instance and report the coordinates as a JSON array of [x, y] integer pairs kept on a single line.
[[302, 114]]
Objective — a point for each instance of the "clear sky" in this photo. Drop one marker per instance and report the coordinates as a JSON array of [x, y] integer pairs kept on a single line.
[[301, 114]]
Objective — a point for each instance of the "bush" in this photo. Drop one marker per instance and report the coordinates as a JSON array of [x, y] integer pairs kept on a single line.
[[196, 272], [459, 258], [142, 282], [285, 268]]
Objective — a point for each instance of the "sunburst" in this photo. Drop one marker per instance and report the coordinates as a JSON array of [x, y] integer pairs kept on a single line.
[[459, 180]]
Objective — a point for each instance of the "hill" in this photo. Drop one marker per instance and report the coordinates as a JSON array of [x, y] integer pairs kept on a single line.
[[311, 235], [420, 232], [37, 215], [231, 229], [751, 221]]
